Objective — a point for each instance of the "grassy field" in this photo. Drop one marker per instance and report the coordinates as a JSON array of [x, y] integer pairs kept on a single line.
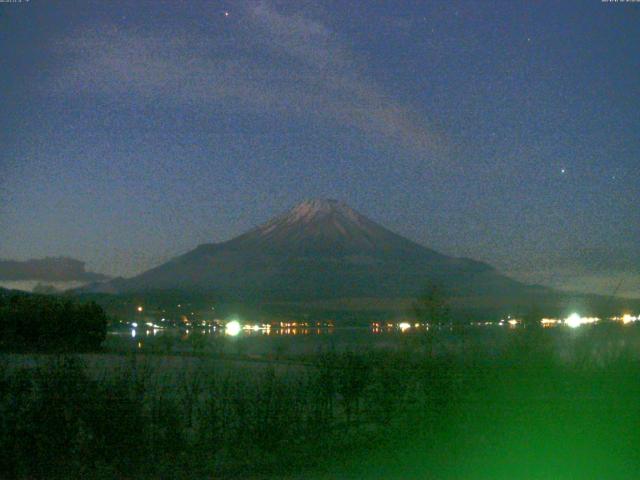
[[525, 412]]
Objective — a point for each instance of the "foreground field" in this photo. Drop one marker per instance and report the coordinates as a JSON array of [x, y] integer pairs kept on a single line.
[[523, 413]]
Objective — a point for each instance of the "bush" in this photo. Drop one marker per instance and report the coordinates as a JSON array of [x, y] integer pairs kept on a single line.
[[345, 411], [35, 322]]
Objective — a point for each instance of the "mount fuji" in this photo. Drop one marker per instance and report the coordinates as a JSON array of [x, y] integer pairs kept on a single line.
[[323, 253]]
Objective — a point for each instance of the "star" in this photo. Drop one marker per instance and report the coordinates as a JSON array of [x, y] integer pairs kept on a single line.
[[563, 171], [226, 14]]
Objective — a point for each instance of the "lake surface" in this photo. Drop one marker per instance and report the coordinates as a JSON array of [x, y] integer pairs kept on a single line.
[[596, 343]]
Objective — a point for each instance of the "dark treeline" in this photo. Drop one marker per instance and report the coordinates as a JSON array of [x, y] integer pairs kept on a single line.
[[49, 323], [350, 415]]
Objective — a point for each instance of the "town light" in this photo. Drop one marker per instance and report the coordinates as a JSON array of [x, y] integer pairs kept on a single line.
[[233, 328], [574, 320], [404, 326], [627, 318]]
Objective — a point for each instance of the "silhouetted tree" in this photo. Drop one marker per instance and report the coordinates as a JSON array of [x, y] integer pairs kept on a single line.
[[432, 307], [51, 323]]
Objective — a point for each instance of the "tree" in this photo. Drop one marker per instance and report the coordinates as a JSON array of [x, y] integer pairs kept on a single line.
[[431, 308], [51, 323]]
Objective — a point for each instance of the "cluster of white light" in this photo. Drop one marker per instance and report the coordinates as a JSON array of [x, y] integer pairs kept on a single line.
[[575, 320], [626, 318], [257, 328], [404, 326], [233, 328], [550, 322], [512, 322]]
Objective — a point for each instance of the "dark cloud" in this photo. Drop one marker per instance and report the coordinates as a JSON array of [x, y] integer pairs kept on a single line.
[[60, 269]]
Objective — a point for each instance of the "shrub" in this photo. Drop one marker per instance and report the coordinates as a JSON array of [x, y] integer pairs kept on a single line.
[[36, 322]]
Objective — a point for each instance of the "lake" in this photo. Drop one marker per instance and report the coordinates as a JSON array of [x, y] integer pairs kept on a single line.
[[596, 342]]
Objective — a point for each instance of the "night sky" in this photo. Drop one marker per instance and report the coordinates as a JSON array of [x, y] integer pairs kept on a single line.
[[508, 132]]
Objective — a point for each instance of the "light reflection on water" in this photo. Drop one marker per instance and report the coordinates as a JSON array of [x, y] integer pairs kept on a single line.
[[289, 341], [284, 329], [219, 332]]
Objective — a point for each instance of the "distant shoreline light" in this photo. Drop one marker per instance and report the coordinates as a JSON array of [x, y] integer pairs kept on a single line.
[[233, 328]]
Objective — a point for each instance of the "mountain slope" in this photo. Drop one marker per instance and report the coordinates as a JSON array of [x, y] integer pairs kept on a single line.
[[324, 256], [319, 250]]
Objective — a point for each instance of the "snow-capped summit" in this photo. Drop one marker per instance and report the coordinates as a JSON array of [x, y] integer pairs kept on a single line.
[[313, 208], [325, 225]]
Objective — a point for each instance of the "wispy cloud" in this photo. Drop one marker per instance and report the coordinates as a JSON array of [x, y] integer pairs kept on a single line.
[[282, 62]]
